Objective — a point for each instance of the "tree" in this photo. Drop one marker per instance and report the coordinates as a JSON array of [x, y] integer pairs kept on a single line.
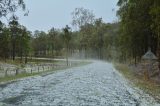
[[40, 43], [7, 6], [85, 36], [4, 41], [155, 13], [52, 39], [81, 17], [100, 36], [14, 34], [136, 34], [67, 38], [24, 40]]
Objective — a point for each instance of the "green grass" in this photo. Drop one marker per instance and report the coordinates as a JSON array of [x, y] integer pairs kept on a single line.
[[19, 76], [149, 86], [17, 61], [10, 78]]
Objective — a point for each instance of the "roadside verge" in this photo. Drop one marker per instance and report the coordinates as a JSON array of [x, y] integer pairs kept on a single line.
[[150, 87]]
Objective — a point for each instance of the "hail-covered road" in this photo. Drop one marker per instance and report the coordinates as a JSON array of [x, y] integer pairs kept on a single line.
[[96, 84]]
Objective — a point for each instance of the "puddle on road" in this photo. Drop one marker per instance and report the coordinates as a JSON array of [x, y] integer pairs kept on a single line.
[[6, 84], [55, 82], [13, 100]]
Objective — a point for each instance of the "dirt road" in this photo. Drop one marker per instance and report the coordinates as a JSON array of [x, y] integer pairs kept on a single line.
[[96, 84]]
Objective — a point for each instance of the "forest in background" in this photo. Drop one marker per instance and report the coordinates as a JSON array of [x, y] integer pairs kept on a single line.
[[127, 40]]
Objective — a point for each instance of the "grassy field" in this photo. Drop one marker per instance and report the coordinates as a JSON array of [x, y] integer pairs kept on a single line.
[[19, 76], [149, 86]]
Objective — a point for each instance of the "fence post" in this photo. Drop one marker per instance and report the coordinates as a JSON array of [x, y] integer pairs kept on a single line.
[[31, 70], [38, 68], [43, 68], [17, 69], [6, 72]]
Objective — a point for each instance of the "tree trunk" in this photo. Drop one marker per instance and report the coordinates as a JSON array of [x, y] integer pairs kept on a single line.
[[21, 56], [158, 50], [135, 61], [52, 49], [85, 49], [13, 51], [26, 59], [67, 54]]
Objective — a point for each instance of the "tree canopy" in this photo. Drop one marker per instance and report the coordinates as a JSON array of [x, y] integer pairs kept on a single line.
[[8, 6]]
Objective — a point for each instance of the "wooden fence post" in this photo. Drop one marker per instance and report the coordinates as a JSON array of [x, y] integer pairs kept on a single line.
[[17, 71], [38, 68], [31, 70], [6, 72]]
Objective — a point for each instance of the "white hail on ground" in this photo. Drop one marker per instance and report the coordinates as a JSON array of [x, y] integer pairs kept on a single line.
[[96, 84]]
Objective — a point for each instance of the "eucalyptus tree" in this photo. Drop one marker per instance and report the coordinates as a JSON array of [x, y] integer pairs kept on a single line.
[[24, 42], [4, 41], [67, 39], [81, 16], [52, 39], [8, 6], [136, 33], [100, 36], [155, 13], [86, 39], [40, 45], [14, 29]]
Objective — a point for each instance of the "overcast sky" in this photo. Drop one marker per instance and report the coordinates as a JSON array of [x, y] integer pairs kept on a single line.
[[45, 14]]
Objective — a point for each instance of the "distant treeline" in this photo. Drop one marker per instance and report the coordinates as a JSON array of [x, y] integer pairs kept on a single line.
[[94, 40], [91, 41]]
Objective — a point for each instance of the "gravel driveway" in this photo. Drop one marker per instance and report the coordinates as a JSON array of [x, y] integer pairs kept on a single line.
[[96, 84]]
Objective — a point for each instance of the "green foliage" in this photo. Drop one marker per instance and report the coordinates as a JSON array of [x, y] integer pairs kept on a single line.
[[20, 39], [67, 35], [137, 30], [67, 38], [97, 39], [4, 42], [47, 44], [14, 40]]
